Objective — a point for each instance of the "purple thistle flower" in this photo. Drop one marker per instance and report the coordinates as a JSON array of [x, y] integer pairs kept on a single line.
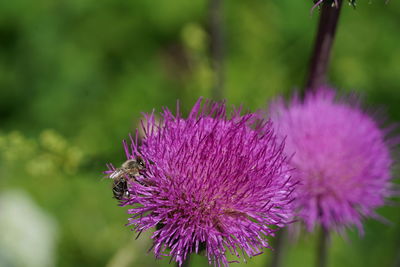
[[210, 182], [341, 158]]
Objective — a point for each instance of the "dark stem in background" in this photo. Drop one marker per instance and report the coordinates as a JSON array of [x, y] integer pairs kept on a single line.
[[279, 245], [216, 46], [322, 248], [323, 44]]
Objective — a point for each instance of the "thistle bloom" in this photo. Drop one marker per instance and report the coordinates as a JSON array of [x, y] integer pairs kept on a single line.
[[211, 182], [341, 158]]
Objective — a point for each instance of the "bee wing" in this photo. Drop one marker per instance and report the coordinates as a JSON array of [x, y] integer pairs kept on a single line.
[[115, 174]]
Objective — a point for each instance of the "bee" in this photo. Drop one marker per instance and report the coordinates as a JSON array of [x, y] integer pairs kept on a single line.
[[129, 170]]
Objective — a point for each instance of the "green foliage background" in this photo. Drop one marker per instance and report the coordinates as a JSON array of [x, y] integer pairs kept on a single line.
[[75, 76]]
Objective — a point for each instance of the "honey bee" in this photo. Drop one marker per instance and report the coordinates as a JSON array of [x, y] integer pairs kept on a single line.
[[129, 170]]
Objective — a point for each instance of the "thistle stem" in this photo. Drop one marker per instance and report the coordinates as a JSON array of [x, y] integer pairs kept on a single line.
[[186, 263], [279, 248], [322, 248], [328, 21], [217, 47]]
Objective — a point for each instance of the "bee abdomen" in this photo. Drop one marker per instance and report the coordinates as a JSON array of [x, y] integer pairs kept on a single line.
[[120, 188]]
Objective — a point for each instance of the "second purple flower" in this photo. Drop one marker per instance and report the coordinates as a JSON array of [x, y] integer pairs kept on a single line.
[[341, 158]]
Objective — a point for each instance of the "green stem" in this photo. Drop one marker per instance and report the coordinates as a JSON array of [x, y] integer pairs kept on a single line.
[[279, 246], [186, 263], [217, 46], [322, 248]]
